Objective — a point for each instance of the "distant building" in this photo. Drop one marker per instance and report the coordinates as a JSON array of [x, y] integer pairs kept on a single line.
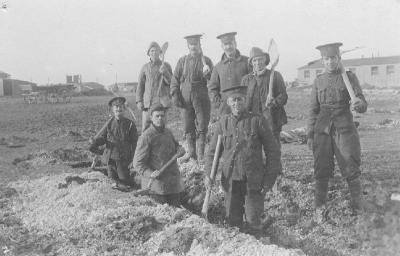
[[123, 87], [376, 71], [88, 86], [15, 87], [4, 75]]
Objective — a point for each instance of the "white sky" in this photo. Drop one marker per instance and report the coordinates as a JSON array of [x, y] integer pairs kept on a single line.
[[43, 40]]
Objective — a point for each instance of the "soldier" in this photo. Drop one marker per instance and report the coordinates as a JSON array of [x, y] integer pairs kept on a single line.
[[189, 92], [153, 75], [258, 88], [156, 147], [120, 137], [227, 73], [331, 130], [245, 178]]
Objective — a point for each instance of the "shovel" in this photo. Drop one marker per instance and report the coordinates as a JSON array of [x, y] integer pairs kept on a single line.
[[274, 55], [146, 190]]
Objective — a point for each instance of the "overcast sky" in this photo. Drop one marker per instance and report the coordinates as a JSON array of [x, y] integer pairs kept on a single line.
[[43, 40]]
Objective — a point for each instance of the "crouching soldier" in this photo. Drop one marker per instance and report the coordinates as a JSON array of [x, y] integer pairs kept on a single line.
[[156, 147], [245, 178], [120, 136], [331, 130], [258, 89]]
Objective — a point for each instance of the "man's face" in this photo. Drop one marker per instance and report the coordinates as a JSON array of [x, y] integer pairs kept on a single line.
[[331, 63], [154, 53], [237, 104], [229, 48], [194, 48], [258, 63], [118, 110], [158, 118]]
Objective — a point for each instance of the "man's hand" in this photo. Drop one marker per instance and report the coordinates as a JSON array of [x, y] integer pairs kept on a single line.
[[310, 143], [270, 102], [155, 174], [181, 150], [207, 182], [206, 70], [140, 105], [357, 104], [164, 70]]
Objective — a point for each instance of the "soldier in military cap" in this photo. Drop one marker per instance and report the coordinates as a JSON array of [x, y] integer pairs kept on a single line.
[[245, 177], [189, 92], [258, 89], [331, 130], [153, 75], [120, 137], [155, 148], [228, 72]]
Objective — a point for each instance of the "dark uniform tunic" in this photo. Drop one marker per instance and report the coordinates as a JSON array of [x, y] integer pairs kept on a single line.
[[226, 74], [331, 126], [243, 172], [257, 92], [148, 84], [188, 78], [156, 147], [120, 138]]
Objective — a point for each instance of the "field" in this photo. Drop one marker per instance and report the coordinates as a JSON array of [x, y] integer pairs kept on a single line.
[[51, 206]]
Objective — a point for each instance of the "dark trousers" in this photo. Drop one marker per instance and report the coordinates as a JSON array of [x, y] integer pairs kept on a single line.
[[241, 201], [197, 108], [171, 199], [119, 170]]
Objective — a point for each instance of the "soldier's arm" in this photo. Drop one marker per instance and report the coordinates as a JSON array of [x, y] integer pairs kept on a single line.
[[133, 136], [279, 91], [214, 84], [211, 149], [176, 77], [313, 111], [272, 153], [141, 85], [142, 155], [99, 140], [210, 66], [167, 77], [358, 92]]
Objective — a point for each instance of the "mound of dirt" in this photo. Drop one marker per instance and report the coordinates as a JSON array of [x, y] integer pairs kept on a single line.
[[91, 219]]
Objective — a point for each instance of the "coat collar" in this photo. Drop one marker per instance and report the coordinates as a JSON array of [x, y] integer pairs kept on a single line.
[[238, 57]]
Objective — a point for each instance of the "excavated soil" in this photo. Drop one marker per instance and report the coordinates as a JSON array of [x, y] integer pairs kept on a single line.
[[52, 204]]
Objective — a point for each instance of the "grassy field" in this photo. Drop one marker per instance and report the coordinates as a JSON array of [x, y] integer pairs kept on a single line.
[[39, 140]]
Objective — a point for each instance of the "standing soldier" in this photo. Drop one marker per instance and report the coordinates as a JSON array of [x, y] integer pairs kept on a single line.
[[155, 148], [245, 178], [258, 88], [120, 137], [331, 130], [150, 78], [189, 92], [227, 73]]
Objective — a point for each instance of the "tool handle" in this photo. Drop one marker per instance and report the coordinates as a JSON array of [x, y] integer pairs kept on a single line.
[[214, 168]]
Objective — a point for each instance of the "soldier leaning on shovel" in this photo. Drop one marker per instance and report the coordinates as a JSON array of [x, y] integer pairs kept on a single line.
[[331, 130], [189, 92], [245, 178], [154, 80], [228, 72], [120, 137], [258, 89], [155, 148]]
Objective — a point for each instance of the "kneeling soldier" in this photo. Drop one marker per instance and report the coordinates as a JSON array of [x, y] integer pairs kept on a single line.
[[120, 137], [156, 147], [245, 178]]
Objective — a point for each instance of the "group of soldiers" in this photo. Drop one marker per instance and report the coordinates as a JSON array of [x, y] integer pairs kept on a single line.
[[249, 122]]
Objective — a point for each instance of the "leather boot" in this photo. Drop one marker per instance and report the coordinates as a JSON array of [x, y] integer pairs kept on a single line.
[[191, 152], [201, 144], [355, 195], [321, 191]]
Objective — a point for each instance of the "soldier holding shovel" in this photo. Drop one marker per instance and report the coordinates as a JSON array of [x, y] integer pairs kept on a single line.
[[331, 130], [245, 177], [153, 83], [156, 147]]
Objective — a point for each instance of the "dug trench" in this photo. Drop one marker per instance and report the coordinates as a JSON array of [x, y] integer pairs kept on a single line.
[[77, 212]]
